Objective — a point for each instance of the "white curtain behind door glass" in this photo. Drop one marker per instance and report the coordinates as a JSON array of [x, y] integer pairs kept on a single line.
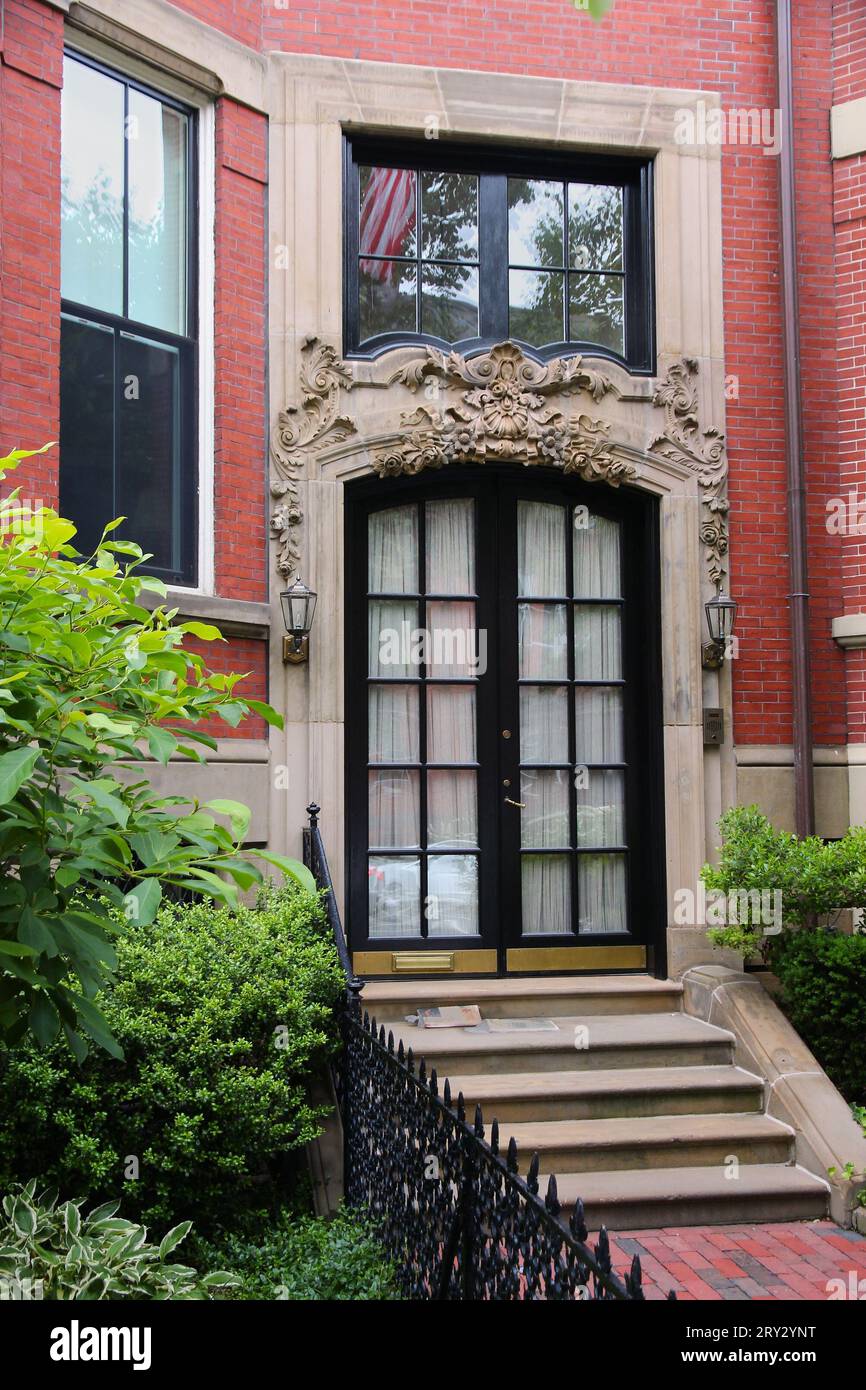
[[543, 724], [452, 810], [452, 895], [542, 634], [597, 655], [393, 724], [544, 817], [598, 724], [392, 551], [451, 723], [601, 893], [546, 882], [395, 817], [394, 895], [601, 809], [596, 557], [541, 549], [450, 546]]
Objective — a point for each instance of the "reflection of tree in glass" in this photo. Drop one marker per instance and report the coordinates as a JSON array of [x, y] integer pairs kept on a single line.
[[93, 238], [595, 244]]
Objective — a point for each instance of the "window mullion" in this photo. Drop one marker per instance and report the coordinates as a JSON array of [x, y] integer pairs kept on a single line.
[[493, 255]]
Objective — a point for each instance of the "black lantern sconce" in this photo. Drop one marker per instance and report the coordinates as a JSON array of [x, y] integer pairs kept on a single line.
[[298, 604], [721, 614]]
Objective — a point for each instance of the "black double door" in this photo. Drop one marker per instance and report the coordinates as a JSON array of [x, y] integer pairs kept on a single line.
[[504, 778]]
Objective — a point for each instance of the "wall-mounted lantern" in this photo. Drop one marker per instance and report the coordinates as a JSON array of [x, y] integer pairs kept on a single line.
[[721, 614], [298, 604]]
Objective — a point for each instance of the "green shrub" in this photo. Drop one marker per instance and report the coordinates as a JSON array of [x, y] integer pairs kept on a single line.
[[88, 675], [56, 1252], [222, 1017], [306, 1257], [823, 976]]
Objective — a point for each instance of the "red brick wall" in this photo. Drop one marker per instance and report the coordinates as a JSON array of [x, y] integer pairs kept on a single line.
[[30, 79], [240, 352], [849, 211]]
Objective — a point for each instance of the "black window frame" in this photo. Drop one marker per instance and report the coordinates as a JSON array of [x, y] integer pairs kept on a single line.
[[187, 344], [493, 165]]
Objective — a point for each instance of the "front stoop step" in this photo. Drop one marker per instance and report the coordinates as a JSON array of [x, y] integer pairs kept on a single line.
[[543, 997], [581, 1043], [659, 1141], [693, 1196], [636, 1107], [587, 1095]]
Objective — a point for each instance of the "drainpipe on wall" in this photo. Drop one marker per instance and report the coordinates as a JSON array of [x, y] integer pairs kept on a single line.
[[804, 781]]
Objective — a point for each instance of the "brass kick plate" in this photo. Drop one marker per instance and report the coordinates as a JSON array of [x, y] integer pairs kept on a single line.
[[424, 963], [538, 959]]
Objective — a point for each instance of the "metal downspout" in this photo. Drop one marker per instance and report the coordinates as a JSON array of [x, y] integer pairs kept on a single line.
[[804, 782]]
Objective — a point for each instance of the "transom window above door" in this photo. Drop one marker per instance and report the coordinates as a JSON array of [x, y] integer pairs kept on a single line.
[[460, 247]]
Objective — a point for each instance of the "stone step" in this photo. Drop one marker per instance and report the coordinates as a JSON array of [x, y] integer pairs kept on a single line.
[[653, 1141], [544, 997], [584, 1095], [659, 1197], [579, 1043]]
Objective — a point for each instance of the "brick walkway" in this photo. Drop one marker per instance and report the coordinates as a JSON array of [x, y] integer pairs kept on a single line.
[[785, 1260]]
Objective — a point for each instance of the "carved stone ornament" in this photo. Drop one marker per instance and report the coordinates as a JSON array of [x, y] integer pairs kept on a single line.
[[312, 424], [496, 406], [701, 451], [502, 413]]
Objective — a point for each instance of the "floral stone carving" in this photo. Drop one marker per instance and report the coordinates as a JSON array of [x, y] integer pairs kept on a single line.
[[312, 424], [502, 413]]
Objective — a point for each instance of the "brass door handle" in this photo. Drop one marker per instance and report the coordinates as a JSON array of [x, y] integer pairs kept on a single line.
[[509, 802]]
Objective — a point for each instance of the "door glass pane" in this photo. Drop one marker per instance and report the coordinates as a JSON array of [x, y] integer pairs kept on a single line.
[[594, 226], [597, 646], [450, 542], [546, 894], [596, 556], [452, 810], [598, 724], [541, 550], [453, 644], [452, 895], [392, 564], [393, 724], [87, 429], [535, 222], [148, 447], [544, 819], [601, 809], [91, 182], [451, 724], [543, 724], [601, 893], [157, 213], [395, 809], [394, 895], [449, 217], [543, 640], [391, 644], [535, 306]]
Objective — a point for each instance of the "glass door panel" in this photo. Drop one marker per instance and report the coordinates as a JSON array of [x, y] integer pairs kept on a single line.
[[423, 668]]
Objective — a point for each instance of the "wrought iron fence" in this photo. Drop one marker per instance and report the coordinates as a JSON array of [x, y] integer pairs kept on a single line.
[[451, 1208]]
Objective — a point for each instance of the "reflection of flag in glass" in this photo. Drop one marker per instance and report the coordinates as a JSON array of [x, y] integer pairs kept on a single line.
[[387, 219]]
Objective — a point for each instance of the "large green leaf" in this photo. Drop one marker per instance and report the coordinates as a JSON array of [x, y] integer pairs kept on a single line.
[[142, 901], [15, 768]]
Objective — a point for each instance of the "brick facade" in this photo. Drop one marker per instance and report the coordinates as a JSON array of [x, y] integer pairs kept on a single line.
[[718, 45]]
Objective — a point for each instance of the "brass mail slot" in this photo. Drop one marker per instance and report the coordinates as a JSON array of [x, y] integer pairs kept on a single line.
[[421, 960], [424, 962]]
